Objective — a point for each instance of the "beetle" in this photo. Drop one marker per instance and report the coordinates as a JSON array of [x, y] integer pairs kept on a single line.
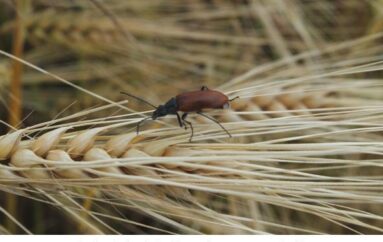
[[187, 102]]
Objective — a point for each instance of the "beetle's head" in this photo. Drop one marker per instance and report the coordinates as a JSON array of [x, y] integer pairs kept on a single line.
[[159, 112]]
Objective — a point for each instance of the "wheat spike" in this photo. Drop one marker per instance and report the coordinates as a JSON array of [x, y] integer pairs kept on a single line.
[[159, 168]]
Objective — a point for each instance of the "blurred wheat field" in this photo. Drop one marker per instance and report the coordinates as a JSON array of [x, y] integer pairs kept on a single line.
[[306, 153]]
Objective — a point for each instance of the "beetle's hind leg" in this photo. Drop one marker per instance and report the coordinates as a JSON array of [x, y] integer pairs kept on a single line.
[[191, 125], [216, 121]]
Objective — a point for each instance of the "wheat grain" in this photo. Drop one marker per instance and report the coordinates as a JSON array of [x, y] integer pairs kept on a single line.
[[9, 143]]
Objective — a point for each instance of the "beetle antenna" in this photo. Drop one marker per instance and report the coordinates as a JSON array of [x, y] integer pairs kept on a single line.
[[139, 123], [233, 98], [138, 98]]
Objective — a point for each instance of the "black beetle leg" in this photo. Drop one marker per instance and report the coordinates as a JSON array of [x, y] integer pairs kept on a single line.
[[191, 125], [216, 121], [179, 120], [139, 123]]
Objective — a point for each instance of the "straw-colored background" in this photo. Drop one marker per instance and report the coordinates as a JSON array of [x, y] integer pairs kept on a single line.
[[306, 152]]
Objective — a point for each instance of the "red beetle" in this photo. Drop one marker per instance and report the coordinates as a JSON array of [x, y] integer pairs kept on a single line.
[[187, 102]]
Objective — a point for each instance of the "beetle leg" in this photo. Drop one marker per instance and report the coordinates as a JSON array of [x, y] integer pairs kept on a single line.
[[139, 123], [192, 130], [184, 121], [204, 88], [216, 121], [179, 120], [191, 125]]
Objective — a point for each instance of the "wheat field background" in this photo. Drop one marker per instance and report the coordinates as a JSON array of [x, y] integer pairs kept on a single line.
[[306, 154]]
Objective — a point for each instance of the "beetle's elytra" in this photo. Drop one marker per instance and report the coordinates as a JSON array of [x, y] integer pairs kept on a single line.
[[198, 100]]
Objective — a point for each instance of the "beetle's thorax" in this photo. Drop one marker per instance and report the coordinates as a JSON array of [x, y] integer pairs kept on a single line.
[[170, 107]]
